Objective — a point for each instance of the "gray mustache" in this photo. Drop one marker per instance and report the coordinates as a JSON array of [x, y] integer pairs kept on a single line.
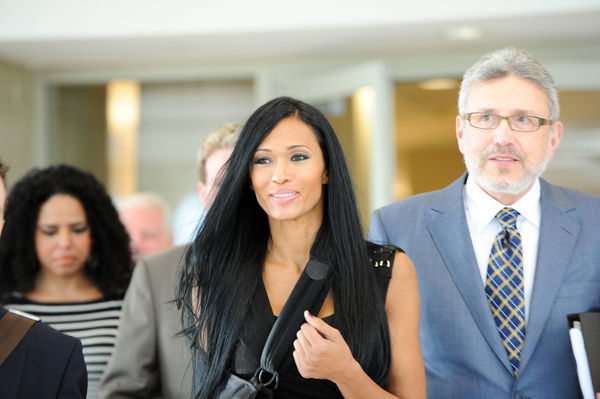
[[499, 149]]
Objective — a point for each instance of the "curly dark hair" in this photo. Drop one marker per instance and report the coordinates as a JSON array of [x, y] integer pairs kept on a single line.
[[110, 250]]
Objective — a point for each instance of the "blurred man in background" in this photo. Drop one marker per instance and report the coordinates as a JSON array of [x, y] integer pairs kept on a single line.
[[150, 359], [147, 218]]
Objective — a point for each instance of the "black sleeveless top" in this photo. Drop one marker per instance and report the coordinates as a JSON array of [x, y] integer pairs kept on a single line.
[[260, 319]]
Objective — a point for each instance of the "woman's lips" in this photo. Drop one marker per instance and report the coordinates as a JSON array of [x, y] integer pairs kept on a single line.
[[283, 196], [66, 259]]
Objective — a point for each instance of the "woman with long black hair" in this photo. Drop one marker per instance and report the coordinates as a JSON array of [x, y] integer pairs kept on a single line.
[[286, 194]]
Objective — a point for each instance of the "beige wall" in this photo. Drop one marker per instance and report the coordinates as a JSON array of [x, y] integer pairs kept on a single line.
[[16, 119], [575, 163], [345, 126], [175, 117], [428, 157], [77, 117]]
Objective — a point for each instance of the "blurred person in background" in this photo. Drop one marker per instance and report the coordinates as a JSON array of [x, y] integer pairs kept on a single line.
[[65, 258], [37, 362], [147, 219], [212, 154], [150, 359]]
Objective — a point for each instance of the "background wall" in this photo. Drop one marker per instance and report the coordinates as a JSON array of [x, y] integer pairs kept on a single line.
[[175, 118], [16, 118], [577, 161], [77, 128], [426, 146]]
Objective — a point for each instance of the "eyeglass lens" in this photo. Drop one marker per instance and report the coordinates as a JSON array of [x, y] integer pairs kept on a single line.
[[522, 123]]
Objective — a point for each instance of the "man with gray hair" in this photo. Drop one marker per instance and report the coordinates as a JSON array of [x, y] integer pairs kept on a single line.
[[151, 358], [502, 256], [147, 218]]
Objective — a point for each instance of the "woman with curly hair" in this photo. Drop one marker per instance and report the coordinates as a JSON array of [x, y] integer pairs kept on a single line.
[[65, 257], [285, 196]]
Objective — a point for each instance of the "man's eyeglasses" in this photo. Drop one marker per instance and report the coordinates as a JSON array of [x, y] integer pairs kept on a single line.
[[519, 123]]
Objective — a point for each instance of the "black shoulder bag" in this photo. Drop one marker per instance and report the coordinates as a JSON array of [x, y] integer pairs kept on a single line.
[[308, 294]]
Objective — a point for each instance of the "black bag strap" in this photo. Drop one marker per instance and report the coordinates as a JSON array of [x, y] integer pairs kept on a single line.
[[13, 328], [308, 294]]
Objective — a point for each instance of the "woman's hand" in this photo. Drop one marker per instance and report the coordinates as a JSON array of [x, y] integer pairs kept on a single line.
[[320, 351]]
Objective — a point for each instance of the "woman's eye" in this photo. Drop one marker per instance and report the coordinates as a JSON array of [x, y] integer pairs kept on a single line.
[[299, 157], [261, 161], [80, 230], [48, 232]]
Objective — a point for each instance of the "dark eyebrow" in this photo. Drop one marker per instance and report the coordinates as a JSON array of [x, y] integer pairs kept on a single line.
[[291, 147], [45, 225]]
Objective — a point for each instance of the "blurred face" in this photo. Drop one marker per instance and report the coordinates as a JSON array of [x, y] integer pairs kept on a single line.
[[147, 231], [288, 173], [212, 167], [2, 202], [62, 237], [504, 162]]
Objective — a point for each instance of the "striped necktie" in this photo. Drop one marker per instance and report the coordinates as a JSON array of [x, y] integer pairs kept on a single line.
[[504, 286]]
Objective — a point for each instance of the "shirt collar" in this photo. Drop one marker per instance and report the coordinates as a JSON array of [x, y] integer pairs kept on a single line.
[[483, 208]]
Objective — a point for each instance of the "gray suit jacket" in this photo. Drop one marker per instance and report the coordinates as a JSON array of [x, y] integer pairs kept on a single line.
[[462, 350], [150, 361]]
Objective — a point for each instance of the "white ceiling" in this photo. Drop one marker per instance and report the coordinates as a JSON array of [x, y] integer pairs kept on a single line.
[[83, 34]]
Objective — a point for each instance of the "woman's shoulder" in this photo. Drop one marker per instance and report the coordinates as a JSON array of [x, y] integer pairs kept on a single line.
[[381, 250], [381, 256]]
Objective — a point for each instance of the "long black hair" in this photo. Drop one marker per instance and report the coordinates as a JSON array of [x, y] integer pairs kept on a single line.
[[224, 264], [110, 262]]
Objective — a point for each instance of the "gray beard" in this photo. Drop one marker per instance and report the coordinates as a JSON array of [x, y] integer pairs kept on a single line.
[[502, 186]]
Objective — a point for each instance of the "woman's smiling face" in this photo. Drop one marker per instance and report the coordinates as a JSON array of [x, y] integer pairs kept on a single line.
[[288, 173]]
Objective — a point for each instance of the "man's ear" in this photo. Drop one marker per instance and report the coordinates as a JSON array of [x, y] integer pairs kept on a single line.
[[202, 193], [460, 125]]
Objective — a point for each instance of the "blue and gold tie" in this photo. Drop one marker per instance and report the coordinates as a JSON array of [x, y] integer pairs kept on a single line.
[[504, 286]]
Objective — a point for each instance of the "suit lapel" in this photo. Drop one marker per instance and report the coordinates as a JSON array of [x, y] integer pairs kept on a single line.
[[450, 233], [558, 235]]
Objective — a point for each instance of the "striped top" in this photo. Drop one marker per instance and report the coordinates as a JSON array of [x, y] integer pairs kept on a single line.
[[94, 323]]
